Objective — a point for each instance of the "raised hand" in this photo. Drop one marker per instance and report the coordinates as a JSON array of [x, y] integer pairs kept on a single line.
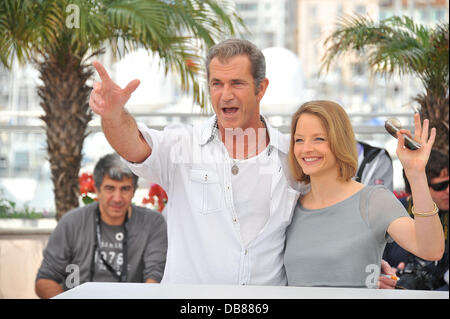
[[415, 161], [107, 98]]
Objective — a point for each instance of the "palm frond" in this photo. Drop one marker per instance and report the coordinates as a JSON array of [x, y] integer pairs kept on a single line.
[[398, 45], [394, 45]]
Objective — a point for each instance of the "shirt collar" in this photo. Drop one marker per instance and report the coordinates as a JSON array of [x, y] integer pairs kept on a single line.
[[210, 131]]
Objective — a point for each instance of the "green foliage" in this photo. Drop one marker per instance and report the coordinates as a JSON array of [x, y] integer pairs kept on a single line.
[[9, 209], [394, 45], [86, 199], [178, 30]]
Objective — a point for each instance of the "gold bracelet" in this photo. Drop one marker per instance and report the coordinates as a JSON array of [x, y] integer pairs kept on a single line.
[[426, 214]]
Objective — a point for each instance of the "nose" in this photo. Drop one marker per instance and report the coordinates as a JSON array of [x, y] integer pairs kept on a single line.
[[117, 195], [307, 146], [227, 93]]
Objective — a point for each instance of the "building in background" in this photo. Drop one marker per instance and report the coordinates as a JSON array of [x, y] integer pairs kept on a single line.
[[272, 23], [349, 81], [426, 12], [290, 33]]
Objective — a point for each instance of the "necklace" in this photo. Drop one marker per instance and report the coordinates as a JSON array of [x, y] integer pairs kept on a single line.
[[235, 168]]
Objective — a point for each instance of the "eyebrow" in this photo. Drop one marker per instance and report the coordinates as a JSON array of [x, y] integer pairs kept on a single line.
[[315, 134], [232, 80]]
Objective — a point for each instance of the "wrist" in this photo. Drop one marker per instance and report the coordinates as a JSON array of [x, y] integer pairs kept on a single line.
[[114, 119], [419, 174]]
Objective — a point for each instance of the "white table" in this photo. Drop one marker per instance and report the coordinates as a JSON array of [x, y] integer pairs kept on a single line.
[[97, 290]]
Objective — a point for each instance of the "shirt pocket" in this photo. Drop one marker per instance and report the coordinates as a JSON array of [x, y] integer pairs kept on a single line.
[[206, 193]]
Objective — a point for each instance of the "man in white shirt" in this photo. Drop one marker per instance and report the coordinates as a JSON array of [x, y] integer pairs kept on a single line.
[[231, 197]]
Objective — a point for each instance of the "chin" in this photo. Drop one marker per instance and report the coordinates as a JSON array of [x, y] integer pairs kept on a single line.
[[229, 123], [309, 170], [117, 212]]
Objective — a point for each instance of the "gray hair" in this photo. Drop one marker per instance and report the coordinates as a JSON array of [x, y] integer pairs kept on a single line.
[[233, 47], [112, 165]]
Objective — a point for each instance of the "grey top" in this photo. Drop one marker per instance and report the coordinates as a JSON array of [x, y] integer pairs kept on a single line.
[[71, 247], [341, 245]]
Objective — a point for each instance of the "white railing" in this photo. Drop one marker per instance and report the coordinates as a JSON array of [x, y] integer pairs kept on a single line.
[[160, 120], [25, 172]]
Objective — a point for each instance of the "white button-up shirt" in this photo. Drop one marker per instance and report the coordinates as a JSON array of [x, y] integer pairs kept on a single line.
[[204, 244]]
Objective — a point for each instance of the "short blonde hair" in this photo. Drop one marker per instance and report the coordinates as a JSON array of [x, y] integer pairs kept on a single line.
[[340, 136]]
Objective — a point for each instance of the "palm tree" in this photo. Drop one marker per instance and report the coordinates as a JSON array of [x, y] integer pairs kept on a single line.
[[60, 36], [398, 45]]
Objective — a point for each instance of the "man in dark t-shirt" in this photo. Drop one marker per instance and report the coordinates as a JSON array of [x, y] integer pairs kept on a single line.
[[110, 240]]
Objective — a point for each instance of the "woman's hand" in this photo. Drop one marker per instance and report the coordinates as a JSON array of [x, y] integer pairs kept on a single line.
[[415, 161]]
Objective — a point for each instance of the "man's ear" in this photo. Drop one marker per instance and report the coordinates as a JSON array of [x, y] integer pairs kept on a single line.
[[262, 88]]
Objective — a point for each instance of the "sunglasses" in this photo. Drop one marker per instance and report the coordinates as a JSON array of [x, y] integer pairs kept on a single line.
[[439, 186]]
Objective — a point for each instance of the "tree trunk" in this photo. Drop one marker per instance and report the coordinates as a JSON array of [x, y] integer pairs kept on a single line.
[[64, 95], [435, 108]]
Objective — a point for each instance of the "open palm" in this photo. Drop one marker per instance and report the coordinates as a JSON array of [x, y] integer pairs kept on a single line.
[[416, 160]]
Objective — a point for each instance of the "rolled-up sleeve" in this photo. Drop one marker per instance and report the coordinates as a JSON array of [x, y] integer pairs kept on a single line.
[[168, 148]]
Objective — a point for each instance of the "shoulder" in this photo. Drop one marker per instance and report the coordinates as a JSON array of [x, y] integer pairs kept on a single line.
[[78, 215], [145, 216], [378, 189], [381, 199], [377, 195], [374, 151], [75, 222]]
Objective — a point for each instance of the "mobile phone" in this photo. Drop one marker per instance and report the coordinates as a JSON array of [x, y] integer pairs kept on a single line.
[[393, 129]]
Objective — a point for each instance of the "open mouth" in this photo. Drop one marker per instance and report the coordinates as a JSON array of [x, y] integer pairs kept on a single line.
[[230, 110]]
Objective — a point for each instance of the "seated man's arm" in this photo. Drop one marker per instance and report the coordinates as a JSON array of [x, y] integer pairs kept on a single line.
[[151, 281], [156, 251], [51, 273], [47, 288]]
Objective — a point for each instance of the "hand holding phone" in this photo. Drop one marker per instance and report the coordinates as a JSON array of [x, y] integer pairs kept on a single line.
[[393, 126]]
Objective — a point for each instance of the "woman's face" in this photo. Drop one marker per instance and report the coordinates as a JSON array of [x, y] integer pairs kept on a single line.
[[312, 147]]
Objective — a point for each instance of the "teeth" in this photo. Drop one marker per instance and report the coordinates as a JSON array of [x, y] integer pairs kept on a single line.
[[230, 110], [310, 159]]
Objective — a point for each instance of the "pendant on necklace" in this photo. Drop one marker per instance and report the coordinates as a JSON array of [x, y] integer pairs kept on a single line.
[[234, 169]]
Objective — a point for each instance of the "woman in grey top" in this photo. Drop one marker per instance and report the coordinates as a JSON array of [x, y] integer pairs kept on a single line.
[[340, 228]]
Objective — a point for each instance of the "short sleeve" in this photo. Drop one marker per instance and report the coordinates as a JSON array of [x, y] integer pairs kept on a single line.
[[379, 208]]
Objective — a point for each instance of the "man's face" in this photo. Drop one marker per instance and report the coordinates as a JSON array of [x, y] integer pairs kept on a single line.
[[233, 93], [440, 197], [114, 199]]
